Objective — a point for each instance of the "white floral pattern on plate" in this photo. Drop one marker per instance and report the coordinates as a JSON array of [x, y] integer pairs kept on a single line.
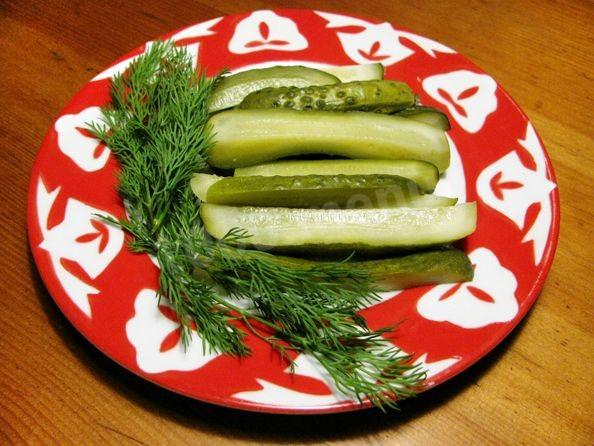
[[266, 30], [154, 333], [470, 97], [77, 143], [305, 365], [366, 42], [81, 238], [511, 188], [488, 299]]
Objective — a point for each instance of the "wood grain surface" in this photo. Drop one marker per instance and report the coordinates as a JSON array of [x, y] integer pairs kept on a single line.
[[537, 387]]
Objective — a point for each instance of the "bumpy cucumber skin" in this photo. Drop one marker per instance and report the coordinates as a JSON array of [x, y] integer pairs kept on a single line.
[[248, 137], [428, 115], [340, 191], [424, 174], [233, 88], [328, 232], [350, 73], [422, 268], [396, 273], [377, 96]]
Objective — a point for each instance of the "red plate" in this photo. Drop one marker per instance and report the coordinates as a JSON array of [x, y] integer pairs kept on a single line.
[[497, 160]]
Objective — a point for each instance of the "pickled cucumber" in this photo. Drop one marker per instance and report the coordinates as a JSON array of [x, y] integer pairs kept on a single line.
[[248, 137], [342, 230], [428, 115], [327, 191], [421, 268], [376, 96], [429, 201], [396, 273], [424, 174], [349, 73], [232, 89]]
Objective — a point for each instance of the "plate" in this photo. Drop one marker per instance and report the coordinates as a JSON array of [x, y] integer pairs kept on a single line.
[[498, 160]]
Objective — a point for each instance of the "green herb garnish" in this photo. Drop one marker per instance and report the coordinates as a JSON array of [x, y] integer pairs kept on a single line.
[[157, 127]]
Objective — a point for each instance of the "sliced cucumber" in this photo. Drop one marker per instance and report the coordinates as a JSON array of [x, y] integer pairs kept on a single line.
[[424, 174], [429, 201], [376, 96], [395, 273], [349, 73], [342, 230], [340, 191], [428, 115], [421, 268], [201, 182], [248, 137], [232, 89]]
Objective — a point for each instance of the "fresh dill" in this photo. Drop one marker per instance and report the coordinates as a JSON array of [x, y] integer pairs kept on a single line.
[[156, 125]]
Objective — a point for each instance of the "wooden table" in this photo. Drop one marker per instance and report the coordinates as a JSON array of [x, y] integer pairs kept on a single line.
[[536, 387]]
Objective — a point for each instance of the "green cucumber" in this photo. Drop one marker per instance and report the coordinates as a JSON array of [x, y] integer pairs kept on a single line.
[[376, 96], [429, 201], [231, 89], [349, 73], [342, 230], [248, 137], [424, 174], [201, 182], [420, 268], [428, 115], [394, 273], [340, 191]]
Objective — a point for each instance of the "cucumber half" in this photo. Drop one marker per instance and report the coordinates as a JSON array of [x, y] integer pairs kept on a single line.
[[233, 88], [376, 96], [395, 273], [424, 174], [350, 73], [341, 191], [248, 137], [428, 115], [421, 268], [342, 230]]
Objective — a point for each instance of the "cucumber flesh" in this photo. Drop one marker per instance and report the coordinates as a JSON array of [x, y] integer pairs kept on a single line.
[[395, 273], [201, 182], [342, 230], [340, 191], [429, 201], [233, 88], [376, 96], [424, 174], [248, 137], [350, 73], [428, 115]]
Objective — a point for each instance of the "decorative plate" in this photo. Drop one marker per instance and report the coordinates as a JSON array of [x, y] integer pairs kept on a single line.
[[497, 160]]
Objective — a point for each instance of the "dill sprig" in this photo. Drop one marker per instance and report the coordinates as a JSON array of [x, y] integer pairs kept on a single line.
[[156, 125]]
